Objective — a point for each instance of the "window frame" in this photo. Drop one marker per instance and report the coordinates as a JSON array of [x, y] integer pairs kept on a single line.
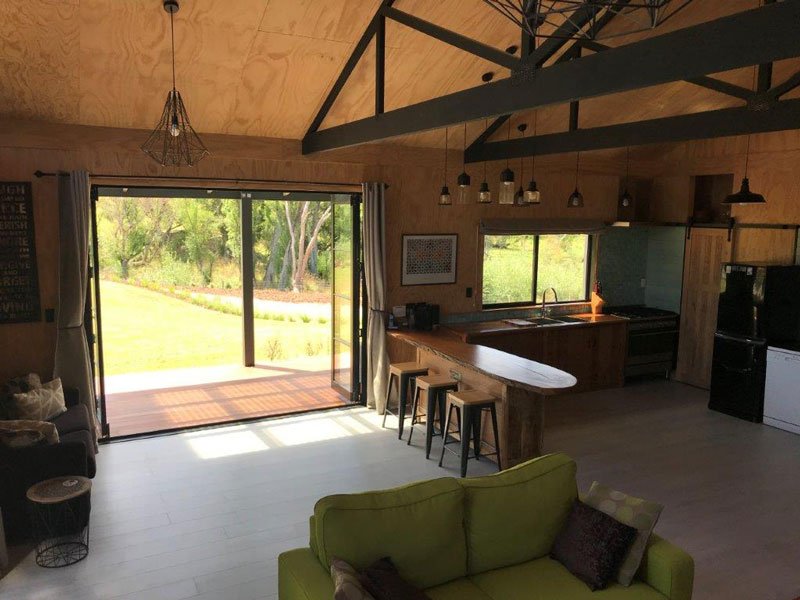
[[590, 240]]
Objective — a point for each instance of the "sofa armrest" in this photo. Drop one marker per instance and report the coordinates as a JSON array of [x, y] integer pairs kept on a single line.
[[71, 397], [668, 569], [302, 577], [40, 462]]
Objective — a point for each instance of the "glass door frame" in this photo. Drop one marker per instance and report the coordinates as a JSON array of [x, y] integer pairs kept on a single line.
[[356, 390]]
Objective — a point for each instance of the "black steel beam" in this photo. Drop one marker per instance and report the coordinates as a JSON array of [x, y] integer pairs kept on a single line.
[[380, 65], [683, 54], [717, 123], [454, 39], [351, 63], [785, 87], [711, 83]]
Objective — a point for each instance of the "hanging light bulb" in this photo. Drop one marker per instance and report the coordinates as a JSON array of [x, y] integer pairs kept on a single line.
[[464, 180], [174, 142], [506, 195], [575, 199], [626, 200], [444, 195], [519, 197], [484, 194]]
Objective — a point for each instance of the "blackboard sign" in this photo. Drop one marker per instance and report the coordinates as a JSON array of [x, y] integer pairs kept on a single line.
[[19, 282]]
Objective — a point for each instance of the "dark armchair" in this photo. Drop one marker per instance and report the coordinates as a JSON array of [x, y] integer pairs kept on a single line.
[[22, 467]]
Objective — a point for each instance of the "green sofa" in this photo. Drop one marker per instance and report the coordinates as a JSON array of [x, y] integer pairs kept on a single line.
[[485, 538]]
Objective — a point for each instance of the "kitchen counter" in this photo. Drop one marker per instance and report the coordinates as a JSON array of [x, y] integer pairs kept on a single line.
[[520, 385], [502, 366], [499, 327]]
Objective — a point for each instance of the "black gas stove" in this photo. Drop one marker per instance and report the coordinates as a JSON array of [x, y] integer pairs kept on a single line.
[[652, 339]]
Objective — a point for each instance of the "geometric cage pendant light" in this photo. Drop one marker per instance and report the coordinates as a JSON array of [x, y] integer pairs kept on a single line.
[[173, 142]]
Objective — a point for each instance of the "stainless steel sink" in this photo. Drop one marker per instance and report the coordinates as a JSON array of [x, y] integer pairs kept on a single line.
[[568, 319], [544, 322]]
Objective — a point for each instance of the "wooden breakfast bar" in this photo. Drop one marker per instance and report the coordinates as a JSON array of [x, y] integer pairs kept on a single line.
[[519, 384]]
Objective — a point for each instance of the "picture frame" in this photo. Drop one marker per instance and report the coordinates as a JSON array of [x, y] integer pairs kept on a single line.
[[429, 259]]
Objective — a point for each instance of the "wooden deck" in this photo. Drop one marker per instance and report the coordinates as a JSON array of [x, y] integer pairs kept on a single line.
[[162, 403]]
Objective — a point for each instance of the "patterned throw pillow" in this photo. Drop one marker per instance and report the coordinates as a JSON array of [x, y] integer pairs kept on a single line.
[[46, 430], [42, 403], [592, 545], [384, 582], [636, 512], [346, 583], [18, 385]]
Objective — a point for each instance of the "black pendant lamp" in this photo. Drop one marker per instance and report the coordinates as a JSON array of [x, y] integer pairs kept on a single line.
[[444, 195], [532, 195], [519, 198], [464, 180], [507, 179], [484, 194], [744, 195], [625, 200], [173, 142], [575, 199]]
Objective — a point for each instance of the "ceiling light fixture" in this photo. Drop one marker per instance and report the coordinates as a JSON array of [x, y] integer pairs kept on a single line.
[[444, 195], [543, 18], [575, 199], [484, 194], [532, 195], [507, 179], [625, 200], [173, 142], [464, 180], [744, 195]]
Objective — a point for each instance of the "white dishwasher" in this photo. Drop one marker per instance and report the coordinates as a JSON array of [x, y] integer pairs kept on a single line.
[[782, 393]]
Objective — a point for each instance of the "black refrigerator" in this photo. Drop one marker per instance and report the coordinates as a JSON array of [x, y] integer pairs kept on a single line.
[[759, 305]]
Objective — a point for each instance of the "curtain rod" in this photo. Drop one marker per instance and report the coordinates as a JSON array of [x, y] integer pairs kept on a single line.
[[40, 174]]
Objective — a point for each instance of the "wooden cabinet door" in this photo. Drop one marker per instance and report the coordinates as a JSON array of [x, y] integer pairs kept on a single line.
[[706, 250]]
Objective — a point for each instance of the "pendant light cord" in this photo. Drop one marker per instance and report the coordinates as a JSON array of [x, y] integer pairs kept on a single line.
[[485, 127], [445, 156], [464, 153], [627, 166], [172, 35], [533, 156], [577, 168]]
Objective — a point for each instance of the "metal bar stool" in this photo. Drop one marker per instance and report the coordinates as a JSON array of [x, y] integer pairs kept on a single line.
[[403, 374], [469, 406], [435, 387]]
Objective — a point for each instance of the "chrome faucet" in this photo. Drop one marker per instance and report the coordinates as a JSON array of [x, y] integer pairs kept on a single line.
[[545, 311]]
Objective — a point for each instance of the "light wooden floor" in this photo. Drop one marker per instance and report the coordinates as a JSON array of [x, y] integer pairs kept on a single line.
[[203, 515]]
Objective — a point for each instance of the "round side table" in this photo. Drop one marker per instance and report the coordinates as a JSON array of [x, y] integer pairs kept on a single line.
[[59, 511]]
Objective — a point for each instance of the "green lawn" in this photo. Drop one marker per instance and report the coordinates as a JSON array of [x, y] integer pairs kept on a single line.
[[145, 331]]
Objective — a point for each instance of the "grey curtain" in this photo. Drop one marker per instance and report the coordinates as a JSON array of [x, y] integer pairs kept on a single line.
[[72, 362], [374, 237]]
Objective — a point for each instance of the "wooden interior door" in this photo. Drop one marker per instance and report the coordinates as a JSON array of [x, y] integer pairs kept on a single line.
[[706, 250]]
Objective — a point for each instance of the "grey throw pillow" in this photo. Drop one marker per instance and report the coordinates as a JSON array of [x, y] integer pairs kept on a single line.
[[346, 585], [635, 512]]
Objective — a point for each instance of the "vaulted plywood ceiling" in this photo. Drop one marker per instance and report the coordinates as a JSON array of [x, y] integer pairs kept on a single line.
[[263, 67]]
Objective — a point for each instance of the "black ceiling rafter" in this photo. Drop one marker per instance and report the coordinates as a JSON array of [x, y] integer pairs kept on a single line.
[[711, 83], [710, 124], [687, 53]]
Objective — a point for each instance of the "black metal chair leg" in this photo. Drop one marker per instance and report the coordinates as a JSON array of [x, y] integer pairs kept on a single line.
[[476, 432], [392, 378], [401, 409], [433, 395], [446, 432], [442, 397], [493, 410], [414, 409], [466, 429]]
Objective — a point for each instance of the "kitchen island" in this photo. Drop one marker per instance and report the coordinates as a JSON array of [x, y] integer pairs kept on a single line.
[[521, 385]]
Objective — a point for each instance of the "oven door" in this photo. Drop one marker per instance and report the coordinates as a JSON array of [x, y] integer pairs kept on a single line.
[[651, 346]]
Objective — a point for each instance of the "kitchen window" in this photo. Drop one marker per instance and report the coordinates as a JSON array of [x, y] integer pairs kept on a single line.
[[518, 268]]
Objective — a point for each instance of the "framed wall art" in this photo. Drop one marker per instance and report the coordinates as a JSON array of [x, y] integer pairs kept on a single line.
[[429, 259]]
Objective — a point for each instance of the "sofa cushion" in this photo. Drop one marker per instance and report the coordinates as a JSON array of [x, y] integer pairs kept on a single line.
[[460, 589], [75, 419], [384, 582], [85, 438], [547, 579], [514, 516], [42, 403], [419, 526]]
